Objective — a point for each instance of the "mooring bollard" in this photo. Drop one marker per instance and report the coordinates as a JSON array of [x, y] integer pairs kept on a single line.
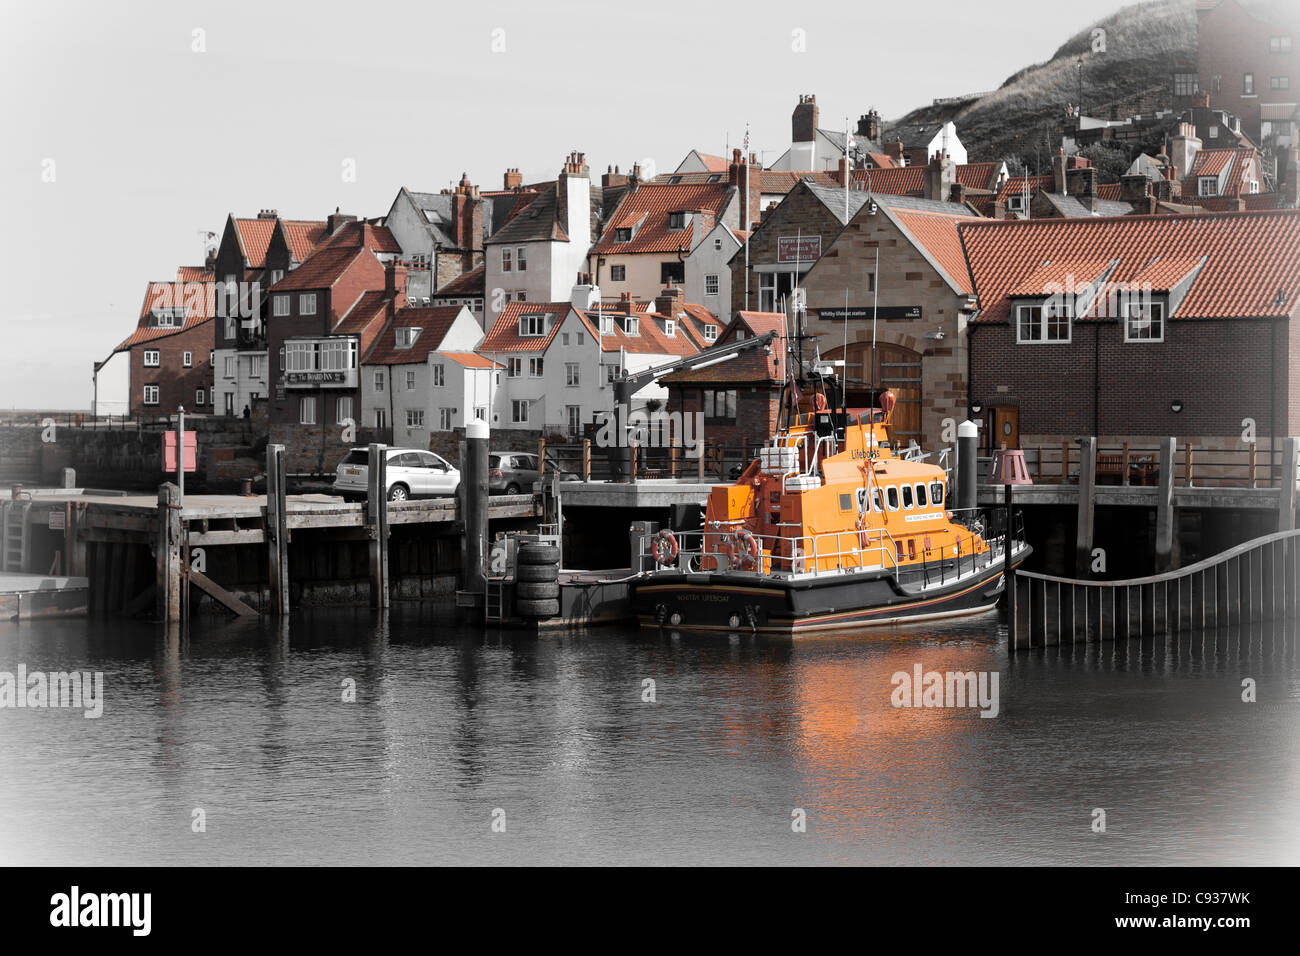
[[968, 434]]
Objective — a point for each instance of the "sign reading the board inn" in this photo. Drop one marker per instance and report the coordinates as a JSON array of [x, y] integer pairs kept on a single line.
[[798, 248], [315, 378]]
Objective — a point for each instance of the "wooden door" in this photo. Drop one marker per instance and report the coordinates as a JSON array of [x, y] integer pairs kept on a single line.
[[1006, 426], [895, 368]]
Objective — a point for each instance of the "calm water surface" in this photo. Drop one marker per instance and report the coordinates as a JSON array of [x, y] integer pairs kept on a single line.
[[247, 722]]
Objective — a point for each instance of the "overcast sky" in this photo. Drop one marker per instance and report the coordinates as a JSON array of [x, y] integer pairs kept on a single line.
[[153, 141]]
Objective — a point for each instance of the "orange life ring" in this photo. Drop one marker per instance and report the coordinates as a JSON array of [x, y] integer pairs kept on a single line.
[[743, 550], [665, 548]]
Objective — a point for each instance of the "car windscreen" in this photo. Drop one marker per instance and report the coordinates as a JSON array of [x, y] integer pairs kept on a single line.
[[357, 457], [494, 461]]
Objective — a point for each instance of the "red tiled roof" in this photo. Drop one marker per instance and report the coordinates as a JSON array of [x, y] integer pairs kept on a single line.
[[1015, 185], [433, 321], [1002, 255], [378, 238], [898, 181], [646, 209], [197, 298], [784, 180], [1213, 162], [883, 160], [1252, 201], [978, 175], [470, 283], [504, 335], [1111, 191], [303, 236], [469, 359], [936, 232], [1062, 273], [321, 269], [193, 274], [650, 338], [254, 237], [714, 164], [754, 366]]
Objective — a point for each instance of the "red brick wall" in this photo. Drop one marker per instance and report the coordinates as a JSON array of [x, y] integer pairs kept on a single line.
[[1220, 370], [756, 413], [176, 384]]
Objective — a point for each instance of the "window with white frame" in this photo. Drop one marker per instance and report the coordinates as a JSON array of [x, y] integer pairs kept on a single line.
[[710, 333], [406, 336], [711, 284], [444, 419], [1207, 185], [415, 418], [276, 275], [343, 409], [200, 396], [1048, 322], [572, 373], [152, 358], [279, 305], [257, 366], [379, 380], [307, 410], [514, 367], [410, 379], [151, 394], [670, 328], [505, 260], [519, 411], [677, 220], [606, 325], [307, 303], [229, 370], [631, 325], [717, 244], [438, 375], [573, 413], [521, 259], [535, 367], [480, 412], [612, 371], [532, 324], [1144, 322], [187, 359]]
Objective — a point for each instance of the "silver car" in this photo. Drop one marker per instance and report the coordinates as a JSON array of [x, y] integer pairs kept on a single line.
[[412, 473], [511, 472]]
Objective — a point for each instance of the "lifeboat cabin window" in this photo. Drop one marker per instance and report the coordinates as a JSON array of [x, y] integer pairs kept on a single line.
[[891, 497], [920, 496], [936, 493], [907, 497], [846, 502], [876, 502]]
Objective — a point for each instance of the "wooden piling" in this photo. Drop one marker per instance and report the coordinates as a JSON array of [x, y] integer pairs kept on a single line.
[[586, 459], [1087, 494], [377, 521], [1166, 520], [277, 531], [167, 554]]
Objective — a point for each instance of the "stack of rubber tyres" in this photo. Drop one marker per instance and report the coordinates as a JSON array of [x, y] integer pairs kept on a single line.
[[537, 581]]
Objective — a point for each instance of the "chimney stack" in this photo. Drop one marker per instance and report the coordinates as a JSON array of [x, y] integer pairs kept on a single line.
[[869, 125], [613, 177], [336, 220], [894, 150], [267, 214], [671, 301], [513, 179], [1183, 148], [804, 121], [736, 177], [1059, 182], [940, 175], [394, 286]]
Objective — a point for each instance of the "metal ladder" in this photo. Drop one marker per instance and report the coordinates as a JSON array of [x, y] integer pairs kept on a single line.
[[494, 600], [15, 535]]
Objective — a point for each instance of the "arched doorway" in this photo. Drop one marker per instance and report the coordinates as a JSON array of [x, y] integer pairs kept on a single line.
[[895, 368]]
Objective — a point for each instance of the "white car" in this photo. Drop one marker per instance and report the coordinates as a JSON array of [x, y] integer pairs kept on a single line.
[[412, 473]]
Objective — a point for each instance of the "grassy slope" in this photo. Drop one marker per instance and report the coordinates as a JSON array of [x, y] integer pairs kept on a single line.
[[1144, 42]]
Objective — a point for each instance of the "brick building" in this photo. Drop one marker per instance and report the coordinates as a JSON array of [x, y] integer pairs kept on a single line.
[[1137, 328], [740, 398], [323, 317], [169, 354], [919, 293], [1248, 58]]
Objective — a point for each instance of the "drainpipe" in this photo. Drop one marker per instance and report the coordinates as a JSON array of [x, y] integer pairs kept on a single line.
[[1096, 379]]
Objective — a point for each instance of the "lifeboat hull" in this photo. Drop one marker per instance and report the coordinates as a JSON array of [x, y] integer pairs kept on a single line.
[[741, 602]]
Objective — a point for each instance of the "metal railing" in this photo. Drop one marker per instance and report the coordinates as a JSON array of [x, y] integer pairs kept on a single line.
[[1128, 463]]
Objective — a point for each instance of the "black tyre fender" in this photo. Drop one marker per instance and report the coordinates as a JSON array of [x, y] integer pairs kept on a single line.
[[538, 609], [537, 590], [537, 572], [539, 554]]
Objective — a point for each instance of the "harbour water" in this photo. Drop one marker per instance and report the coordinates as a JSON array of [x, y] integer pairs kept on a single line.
[[553, 737]]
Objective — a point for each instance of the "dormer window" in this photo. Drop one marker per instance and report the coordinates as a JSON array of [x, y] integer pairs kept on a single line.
[[631, 325], [533, 324], [714, 178], [677, 220], [407, 335], [168, 318], [1016, 202], [710, 333], [1207, 186], [623, 234], [1047, 321], [670, 328], [1144, 321], [606, 325]]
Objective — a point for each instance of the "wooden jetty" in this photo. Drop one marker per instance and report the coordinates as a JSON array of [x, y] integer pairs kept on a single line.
[[136, 553]]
